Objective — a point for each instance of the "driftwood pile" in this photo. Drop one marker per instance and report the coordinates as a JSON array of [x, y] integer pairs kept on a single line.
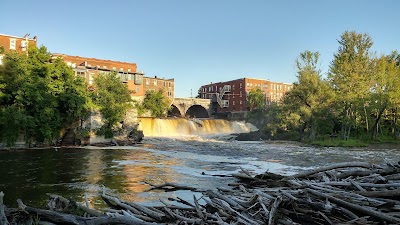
[[345, 193]]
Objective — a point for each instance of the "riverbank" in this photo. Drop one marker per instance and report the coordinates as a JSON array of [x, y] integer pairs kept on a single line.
[[326, 142], [343, 193]]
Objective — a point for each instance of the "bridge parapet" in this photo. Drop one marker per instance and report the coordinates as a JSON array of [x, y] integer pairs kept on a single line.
[[184, 104]]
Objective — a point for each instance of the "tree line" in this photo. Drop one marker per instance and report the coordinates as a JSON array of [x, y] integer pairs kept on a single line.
[[40, 97], [358, 98]]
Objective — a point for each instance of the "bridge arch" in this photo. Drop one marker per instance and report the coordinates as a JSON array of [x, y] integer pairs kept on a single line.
[[197, 111], [175, 111], [192, 107]]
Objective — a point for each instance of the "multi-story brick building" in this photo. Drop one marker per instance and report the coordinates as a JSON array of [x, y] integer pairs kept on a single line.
[[14, 43], [231, 96], [89, 68], [156, 83]]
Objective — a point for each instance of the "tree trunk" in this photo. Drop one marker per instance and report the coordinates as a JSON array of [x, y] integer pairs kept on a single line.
[[378, 118], [366, 118], [312, 130]]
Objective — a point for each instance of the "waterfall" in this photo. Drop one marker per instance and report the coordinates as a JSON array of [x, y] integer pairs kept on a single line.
[[172, 127]]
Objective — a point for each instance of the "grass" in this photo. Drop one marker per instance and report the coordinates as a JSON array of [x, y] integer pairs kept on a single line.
[[335, 142]]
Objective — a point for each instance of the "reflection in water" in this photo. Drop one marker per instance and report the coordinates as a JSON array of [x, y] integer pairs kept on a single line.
[[30, 174]]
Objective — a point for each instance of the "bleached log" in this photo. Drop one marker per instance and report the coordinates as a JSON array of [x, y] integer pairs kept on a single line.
[[233, 203], [264, 207], [364, 185], [346, 194], [155, 215], [383, 194], [225, 205], [198, 210], [330, 167], [119, 203], [170, 186], [3, 218], [275, 205], [354, 172], [84, 208], [172, 206], [358, 208], [395, 176], [357, 185], [62, 218]]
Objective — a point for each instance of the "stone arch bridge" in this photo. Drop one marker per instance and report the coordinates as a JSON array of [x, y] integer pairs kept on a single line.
[[191, 107]]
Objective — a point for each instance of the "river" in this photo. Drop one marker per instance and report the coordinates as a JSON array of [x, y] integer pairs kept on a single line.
[[183, 158]]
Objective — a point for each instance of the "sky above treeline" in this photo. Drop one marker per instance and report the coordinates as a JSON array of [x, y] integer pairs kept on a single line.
[[199, 42]]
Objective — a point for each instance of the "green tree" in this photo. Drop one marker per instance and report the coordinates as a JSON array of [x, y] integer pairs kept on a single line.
[[350, 76], [385, 93], [156, 103], [36, 90], [310, 95], [112, 98], [256, 99]]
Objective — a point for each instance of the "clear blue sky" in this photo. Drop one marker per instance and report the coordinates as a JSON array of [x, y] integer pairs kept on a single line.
[[198, 42]]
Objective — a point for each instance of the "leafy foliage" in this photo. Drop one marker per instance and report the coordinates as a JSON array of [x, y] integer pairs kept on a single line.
[[38, 98], [155, 102], [113, 99], [358, 101], [256, 99], [310, 96]]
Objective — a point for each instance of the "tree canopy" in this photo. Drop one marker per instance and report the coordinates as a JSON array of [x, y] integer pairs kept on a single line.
[[38, 97], [112, 98], [358, 99], [256, 99], [155, 102]]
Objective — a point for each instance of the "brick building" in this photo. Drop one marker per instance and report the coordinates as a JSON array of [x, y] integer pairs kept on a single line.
[[14, 43], [231, 96], [89, 68], [156, 83]]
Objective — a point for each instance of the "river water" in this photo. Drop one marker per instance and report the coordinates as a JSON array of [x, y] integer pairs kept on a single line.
[[181, 158]]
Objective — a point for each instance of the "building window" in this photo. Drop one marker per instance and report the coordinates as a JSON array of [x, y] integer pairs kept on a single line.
[[241, 102], [165, 84], [155, 82], [13, 43], [24, 45], [233, 102], [137, 89], [240, 85], [91, 78], [147, 81], [241, 94], [233, 87], [80, 74]]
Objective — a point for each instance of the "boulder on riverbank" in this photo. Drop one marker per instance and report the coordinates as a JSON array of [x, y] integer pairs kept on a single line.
[[252, 136]]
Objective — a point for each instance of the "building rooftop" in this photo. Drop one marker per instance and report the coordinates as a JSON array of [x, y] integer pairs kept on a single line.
[[31, 39]]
